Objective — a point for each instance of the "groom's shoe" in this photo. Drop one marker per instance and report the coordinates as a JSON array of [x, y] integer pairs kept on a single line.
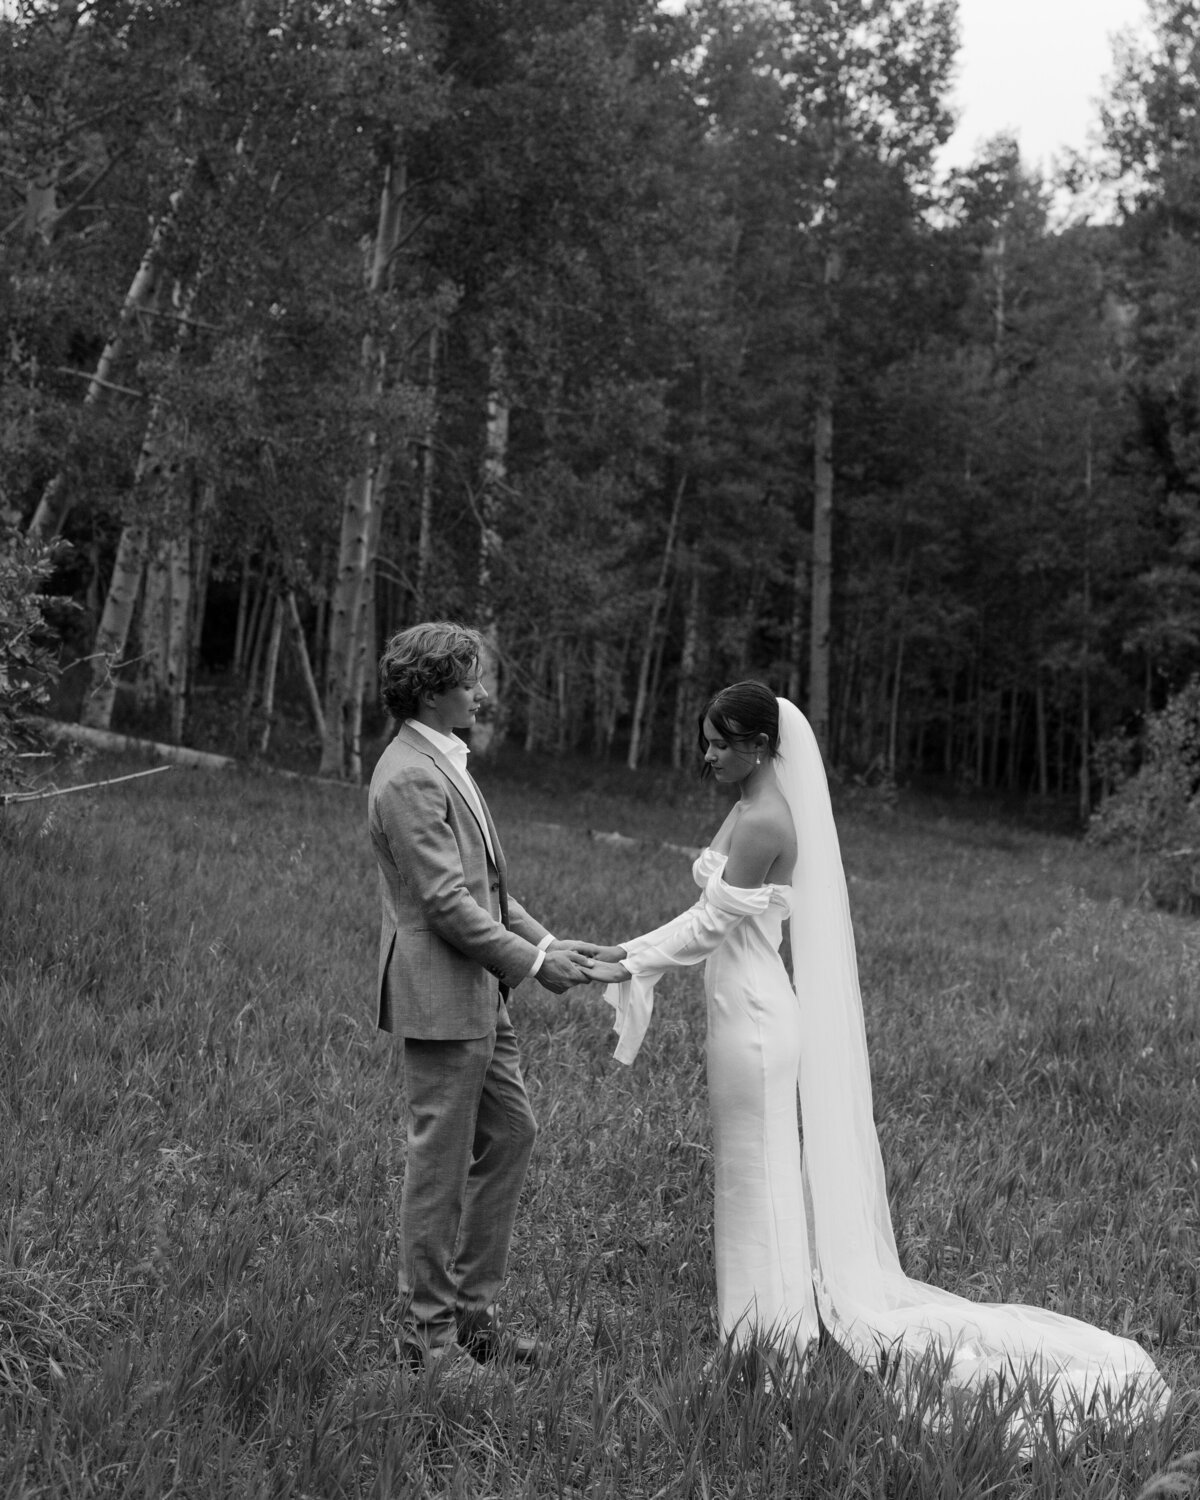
[[448, 1364], [485, 1340]]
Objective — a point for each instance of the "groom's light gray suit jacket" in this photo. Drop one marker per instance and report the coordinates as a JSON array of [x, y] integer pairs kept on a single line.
[[451, 936]]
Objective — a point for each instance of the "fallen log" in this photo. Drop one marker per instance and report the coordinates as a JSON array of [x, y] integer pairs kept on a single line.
[[124, 744], [180, 755]]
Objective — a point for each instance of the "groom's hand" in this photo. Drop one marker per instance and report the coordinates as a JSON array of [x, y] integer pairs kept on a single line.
[[563, 968]]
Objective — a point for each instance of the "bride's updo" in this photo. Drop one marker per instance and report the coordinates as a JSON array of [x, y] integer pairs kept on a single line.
[[740, 712]]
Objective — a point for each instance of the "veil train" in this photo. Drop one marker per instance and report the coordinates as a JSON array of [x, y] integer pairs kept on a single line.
[[869, 1306]]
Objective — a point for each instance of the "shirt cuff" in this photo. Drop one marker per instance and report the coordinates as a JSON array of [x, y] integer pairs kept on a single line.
[[541, 954]]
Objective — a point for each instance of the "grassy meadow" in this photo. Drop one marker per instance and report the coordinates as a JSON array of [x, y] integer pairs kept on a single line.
[[201, 1152]]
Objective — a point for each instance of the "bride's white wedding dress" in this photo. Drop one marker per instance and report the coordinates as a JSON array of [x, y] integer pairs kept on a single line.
[[764, 1280], [797, 1235]]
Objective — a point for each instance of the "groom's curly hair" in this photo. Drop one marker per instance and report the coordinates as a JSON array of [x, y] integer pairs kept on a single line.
[[740, 712], [425, 659]]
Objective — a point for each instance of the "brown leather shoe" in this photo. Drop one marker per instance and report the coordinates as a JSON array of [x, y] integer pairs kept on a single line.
[[484, 1340], [443, 1360]]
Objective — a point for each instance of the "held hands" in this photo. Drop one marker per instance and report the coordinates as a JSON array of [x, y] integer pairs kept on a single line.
[[570, 961], [566, 964], [605, 965]]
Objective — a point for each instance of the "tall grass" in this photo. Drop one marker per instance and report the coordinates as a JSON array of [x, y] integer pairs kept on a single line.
[[202, 1150]]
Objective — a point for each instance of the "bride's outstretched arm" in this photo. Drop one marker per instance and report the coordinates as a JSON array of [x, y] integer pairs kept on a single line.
[[686, 940]]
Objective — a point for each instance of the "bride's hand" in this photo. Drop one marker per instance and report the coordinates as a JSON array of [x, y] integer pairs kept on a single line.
[[576, 946], [608, 971], [613, 955]]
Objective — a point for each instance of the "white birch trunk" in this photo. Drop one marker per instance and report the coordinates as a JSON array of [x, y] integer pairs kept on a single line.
[[366, 653], [306, 671], [366, 676], [822, 572], [156, 591], [262, 635], [799, 599], [241, 631], [428, 470], [129, 567], [822, 563], [654, 696], [112, 634], [682, 740], [165, 627], [250, 651], [344, 616], [657, 600], [853, 668], [355, 557], [179, 619], [269, 674], [490, 732], [202, 550]]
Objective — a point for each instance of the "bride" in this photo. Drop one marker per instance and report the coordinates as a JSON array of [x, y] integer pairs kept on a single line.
[[804, 1238]]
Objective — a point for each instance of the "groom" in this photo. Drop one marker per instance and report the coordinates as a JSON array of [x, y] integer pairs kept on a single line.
[[454, 942]]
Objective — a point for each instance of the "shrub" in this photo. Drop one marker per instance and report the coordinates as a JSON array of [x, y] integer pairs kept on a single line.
[[1155, 812], [28, 669]]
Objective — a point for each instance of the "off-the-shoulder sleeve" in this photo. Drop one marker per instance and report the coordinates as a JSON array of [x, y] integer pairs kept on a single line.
[[686, 940]]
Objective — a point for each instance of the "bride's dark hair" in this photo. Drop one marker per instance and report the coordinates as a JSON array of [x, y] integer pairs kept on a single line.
[[739, 712]]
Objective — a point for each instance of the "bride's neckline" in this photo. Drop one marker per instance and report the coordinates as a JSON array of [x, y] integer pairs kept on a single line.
[[723, 856], [730, 818]]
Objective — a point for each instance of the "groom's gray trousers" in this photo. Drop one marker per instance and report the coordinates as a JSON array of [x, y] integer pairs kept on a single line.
[[470, 1134]]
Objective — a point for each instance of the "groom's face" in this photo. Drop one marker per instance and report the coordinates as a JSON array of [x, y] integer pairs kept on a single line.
[[456, 707]]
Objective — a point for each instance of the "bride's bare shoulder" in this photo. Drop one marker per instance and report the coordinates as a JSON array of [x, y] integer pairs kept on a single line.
[[765, 824], [759, 843]]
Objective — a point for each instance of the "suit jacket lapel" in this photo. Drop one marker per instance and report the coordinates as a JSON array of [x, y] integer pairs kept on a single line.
[[418, 741], [501, 864]]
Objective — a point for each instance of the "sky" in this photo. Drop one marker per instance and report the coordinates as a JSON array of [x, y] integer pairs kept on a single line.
[[1034, 68]]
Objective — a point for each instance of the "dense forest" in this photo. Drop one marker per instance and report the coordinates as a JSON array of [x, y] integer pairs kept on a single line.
[[650, 343]]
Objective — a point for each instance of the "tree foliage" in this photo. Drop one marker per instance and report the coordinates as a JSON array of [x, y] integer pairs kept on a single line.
[[1155, 811], [675, 363], [28, 661]]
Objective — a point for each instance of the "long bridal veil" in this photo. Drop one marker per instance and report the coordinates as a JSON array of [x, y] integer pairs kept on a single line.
[[870, 1307]]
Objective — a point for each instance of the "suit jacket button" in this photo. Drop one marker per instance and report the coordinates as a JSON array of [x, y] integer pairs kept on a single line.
[[495, 885]]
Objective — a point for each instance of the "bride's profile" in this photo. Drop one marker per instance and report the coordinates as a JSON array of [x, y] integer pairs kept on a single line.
[[803, 1238]]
